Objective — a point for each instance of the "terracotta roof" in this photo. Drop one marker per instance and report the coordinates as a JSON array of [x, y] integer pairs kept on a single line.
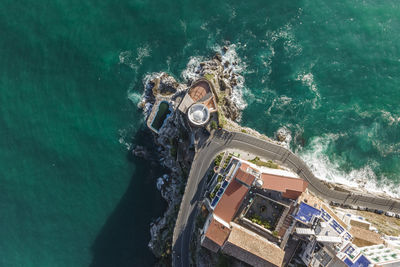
[[243, 176], [199, 90], [283, 183], [210, 103], [230, 201], [252, 248], [217, 232], [363, 237]]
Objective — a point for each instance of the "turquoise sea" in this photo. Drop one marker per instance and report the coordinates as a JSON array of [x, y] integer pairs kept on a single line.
[[71, 76]]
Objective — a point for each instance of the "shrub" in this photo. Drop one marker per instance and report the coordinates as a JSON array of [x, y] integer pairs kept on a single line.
[[212, 195], [218, 159], [268, 164], [221, 119], [209, 77], [214, 125]]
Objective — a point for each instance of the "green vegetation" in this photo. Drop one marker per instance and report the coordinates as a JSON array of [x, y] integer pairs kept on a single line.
[[275, 233], [268, 164], [214, 192], [226, 162], [218, 159], [212, 195], [209, 77], [213, 125], [243, 131], [258, 220], [219, 179], [221, 119]]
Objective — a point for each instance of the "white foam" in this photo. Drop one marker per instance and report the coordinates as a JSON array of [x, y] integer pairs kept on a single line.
[[235, 66], [308, 80], [390, 118], [315, 155], [132, 59], [135, 97], [281, 103], [123, 136], [290, 44], [192, 70]]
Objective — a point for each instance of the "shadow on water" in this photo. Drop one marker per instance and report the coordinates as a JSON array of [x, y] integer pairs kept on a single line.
[[123, 239]]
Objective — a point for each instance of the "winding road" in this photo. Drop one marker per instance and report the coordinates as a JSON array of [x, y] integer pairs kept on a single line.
[[223, 140]]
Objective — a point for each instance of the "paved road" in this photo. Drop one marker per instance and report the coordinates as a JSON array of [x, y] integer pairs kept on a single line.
[[223, 140]]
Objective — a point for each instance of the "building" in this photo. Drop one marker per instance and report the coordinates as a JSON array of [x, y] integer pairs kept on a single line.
[[199, 102], [252, 248], [329, 240], [250, 214], [254, 211]]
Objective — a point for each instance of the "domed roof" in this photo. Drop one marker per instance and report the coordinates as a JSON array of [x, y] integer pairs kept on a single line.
[[198, 114], [259, 183]]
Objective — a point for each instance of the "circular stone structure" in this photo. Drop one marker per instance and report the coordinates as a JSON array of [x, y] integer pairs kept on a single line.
[[198, 114]]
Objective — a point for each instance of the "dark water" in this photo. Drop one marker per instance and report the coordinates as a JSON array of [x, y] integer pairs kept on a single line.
[[71, 75]]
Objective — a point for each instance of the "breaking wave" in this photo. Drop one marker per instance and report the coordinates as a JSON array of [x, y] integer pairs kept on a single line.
[[315, 155], [192, 70], [233, 66]]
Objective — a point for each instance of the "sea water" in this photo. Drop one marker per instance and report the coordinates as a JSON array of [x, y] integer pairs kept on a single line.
[[71, 76]]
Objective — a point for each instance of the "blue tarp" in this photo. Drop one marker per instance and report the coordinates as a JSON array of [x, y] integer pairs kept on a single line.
[[306, 212]]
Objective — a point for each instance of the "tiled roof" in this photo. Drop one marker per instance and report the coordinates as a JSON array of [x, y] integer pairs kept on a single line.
[[252, 248], [283, 183], [217, 232], [243, 176], [230, 201]]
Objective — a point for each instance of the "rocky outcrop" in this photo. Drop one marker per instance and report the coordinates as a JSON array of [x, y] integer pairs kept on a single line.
[[174, 137], [230, 110], [140, 151], [164, 85], [284, 137]]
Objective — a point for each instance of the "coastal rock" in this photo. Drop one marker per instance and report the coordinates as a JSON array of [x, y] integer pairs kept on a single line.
[[225, 86], [218, 57], [173, 138], [140, 151], [168, 85], [283, 135], [230, 110]]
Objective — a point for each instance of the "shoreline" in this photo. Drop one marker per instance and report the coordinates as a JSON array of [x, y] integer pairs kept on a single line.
[[177, 151]]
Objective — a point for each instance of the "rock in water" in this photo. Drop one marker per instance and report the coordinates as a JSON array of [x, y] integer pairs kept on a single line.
[[218, 57], [283, 135]]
